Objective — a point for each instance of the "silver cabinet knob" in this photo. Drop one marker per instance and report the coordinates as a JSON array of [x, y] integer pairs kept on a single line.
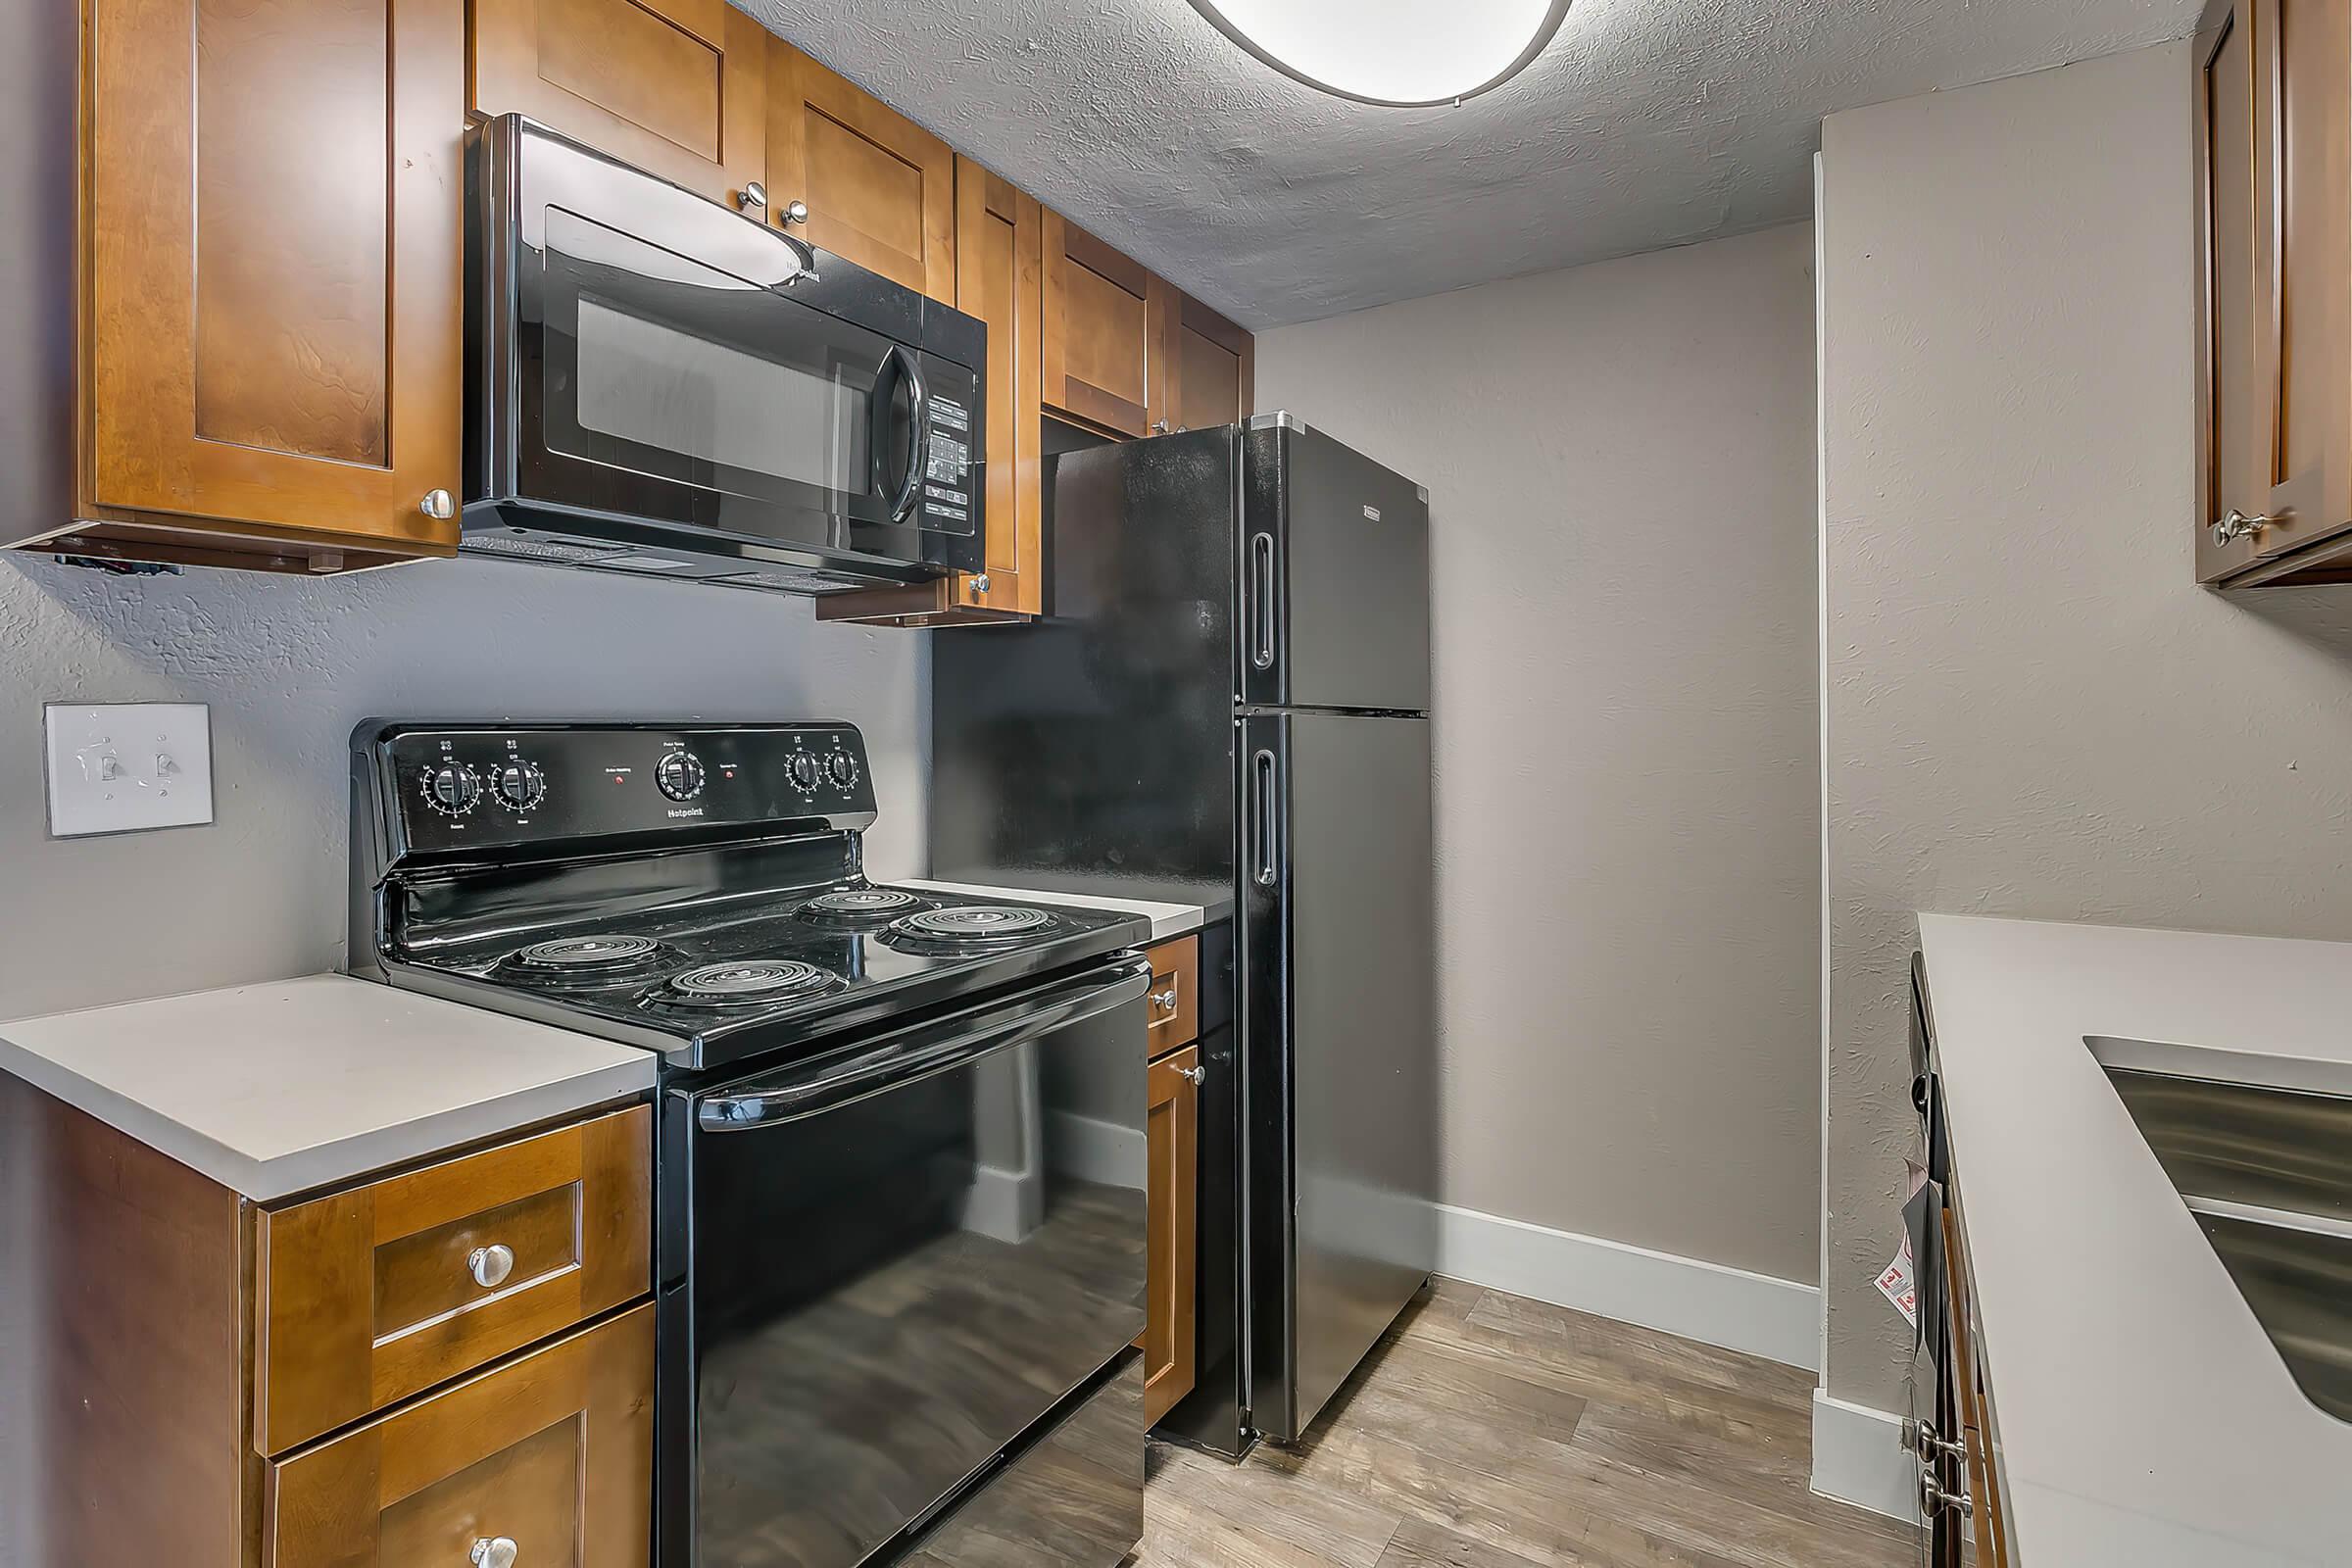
[[1934, 1500], [1164, 1001], [490, 1265], [980, 583], [1922, 1439], [492, 1551], [2237, 525], [438, 505], [1197, 1075], [796, 212], [751, 195], [1161, 428]]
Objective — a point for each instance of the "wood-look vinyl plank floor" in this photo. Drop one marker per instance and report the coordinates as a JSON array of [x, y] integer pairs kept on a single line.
[[1488, 1430]]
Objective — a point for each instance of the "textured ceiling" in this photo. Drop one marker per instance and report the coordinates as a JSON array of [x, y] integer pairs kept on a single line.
[[1646, 124]]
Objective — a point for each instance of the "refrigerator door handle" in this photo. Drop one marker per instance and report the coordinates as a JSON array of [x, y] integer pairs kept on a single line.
[[1262, 611], [1265, 864]]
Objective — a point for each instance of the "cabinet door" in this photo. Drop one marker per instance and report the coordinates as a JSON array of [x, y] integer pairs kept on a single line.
[[1098, 327], [1172, 1107], [273, 234], [552, 1452], [677, 87], [1209, 368], [2302, 62], [1000, 277], [2235, 438], [880, 189]]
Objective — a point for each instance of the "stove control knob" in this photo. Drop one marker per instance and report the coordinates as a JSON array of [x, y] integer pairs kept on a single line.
[[680, 775], [452, 789], [804, 772], [521, 785], [844, 769]]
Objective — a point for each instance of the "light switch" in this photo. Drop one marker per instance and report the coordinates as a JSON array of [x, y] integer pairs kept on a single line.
[[122, 766]]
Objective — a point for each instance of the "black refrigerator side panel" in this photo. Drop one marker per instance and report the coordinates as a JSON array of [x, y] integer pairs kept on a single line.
[[1334, 569], [1092, 752]]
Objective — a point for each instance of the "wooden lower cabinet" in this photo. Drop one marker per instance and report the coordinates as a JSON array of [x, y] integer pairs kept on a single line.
[[552, 1452], [184, 1361], [369, 1294], [1978, 1465], [1172, 1142]]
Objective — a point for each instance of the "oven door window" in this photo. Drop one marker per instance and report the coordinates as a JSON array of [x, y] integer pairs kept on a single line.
[[667, 369], [887, 1292]]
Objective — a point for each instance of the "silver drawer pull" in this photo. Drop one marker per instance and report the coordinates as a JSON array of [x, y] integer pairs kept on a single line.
[[490, 1266], [492, 1551], [1164, 1001], [1922, 1439], [1197, 1075], [1934, 1500]]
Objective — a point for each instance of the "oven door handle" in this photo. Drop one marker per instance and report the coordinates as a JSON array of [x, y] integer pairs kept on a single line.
[[921, 1052]]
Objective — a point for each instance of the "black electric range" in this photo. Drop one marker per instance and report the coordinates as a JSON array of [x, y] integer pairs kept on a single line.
[[868, 1094]]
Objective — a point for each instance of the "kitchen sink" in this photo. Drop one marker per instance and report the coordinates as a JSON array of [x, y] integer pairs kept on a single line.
[[2267, 1171]]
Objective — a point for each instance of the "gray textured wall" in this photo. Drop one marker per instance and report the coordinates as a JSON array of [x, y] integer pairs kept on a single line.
[[289, 665], [1620, 460], [2032, 711]]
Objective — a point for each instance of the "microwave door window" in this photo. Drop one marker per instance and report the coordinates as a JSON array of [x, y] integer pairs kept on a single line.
[[673, 372]]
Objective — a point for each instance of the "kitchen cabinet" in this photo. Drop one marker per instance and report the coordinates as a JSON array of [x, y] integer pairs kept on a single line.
[[552, 1452], [1208, 366], [224, 1384], [1098, 327], [271, 231], [1171, 1132], [679, 87], [880, 189], [1000, 279], [2273, 86]]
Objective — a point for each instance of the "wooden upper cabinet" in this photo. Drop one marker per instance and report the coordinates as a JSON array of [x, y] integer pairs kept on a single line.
[[2235, 435], [1099, 322], [1209, 366], [273, 232], [1000, 279], [2274, 88], [880, 189], [679, 87]]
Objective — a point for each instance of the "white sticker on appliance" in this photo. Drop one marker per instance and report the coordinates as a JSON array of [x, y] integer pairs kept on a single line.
[[1371, 513], [1898, 1282]]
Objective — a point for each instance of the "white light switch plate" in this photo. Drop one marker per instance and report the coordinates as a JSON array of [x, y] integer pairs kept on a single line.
[[122, 766]]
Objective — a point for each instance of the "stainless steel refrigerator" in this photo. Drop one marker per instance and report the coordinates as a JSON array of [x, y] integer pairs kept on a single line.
[[1228, 704]]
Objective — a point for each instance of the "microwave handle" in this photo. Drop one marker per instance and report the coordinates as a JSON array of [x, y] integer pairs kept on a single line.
[[899, 363]]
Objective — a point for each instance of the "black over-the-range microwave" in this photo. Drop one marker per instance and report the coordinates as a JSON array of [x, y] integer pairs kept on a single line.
[[665, 386]]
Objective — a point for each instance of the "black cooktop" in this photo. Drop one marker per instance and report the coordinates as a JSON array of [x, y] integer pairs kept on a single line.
[[716, 979]]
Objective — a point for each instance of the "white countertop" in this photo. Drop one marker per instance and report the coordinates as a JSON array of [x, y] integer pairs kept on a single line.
[[1167, 919], [2144, 1417], [275, 1089]]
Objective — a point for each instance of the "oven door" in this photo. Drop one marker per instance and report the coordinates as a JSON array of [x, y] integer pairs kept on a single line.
[[676, 364], [900, 1262]]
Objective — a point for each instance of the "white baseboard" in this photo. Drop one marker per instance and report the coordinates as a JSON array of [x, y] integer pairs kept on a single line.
[[1779, 1319], [1858, 1457]]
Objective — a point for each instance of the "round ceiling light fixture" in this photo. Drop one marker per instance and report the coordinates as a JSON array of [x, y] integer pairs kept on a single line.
[[1400, 54]]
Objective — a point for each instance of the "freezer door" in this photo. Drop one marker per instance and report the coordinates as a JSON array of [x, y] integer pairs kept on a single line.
[[1338, 1043], [1334, 576]]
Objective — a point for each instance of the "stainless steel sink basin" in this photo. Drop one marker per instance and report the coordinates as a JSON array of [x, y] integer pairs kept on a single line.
[[2268, 1173]]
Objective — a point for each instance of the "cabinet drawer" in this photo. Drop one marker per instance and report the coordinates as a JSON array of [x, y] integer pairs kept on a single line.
[[370, 1295], [1173, 1002], [553, 1452]]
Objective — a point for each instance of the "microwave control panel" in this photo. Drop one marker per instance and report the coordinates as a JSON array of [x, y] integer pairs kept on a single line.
[[950, 465]]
